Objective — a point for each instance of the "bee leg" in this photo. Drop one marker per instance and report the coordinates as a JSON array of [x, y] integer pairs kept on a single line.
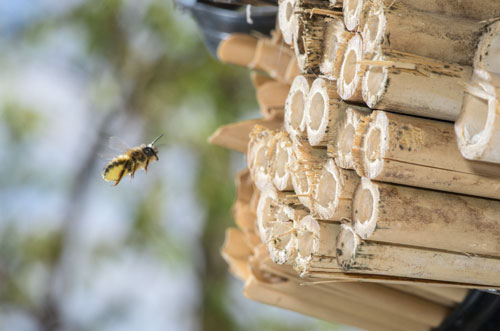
[[146, 166], [132, 171], [126, 167]]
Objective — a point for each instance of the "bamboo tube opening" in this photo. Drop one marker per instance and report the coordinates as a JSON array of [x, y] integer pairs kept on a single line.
[[326, 192], [265, 216], [488, 50], [281, 234], [346, 138], [477, 128], [347, 244], [349, 87], [375, 80], [316, 111], [297, 110], [373, 29], [364, 206], [283, 158], [286, 19], [280, 163], [305, 243], [352, 12], [288, 10]]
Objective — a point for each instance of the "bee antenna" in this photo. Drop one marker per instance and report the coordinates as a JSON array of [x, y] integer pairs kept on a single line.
[[156, 139]]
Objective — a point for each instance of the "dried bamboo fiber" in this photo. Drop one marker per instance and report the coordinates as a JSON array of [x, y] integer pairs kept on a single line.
[[368, 257], [333, 193], [423, 153], [478, 128], [414, 85]]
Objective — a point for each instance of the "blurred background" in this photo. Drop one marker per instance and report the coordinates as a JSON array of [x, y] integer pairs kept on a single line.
[[77, 253]]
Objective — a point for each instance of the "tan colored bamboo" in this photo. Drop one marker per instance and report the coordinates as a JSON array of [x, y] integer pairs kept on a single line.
[[323, 108], [368, 257], [314, 239], [292, 70], [416, 217], [272, 58], [488, 50], [305, 160], [295, 108], [239, 49], [419, 291], [353, 123], [286, 19], [355, 12], [477, 9], [283, 158], [242, 211], [307, 41], [335, 39], [414, 85], [424, 153], [351, 72], [334, 191], [258, 78], [235, 136], [236, 253], [478, 127], [260, 155], [405, 29], [271, 97], [456, 295]]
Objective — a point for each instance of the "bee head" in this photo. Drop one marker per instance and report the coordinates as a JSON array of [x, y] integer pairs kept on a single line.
[[150, 150]]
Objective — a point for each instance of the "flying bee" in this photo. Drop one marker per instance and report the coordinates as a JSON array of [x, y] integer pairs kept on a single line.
[[130, 161]]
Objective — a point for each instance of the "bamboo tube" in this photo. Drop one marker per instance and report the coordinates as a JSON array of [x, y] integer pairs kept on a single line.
[[260, 155], [239, 49], [271, 58], [476, 10], [323, 108], [295, 108], [333, 194], [417, 291], [307, 41], [305, 160], [272, 96], [283, 158], [353, 123], [242, 212], [351, 72], [335, 39], [236, 136], [287, 19], [355, 255], [355, 12], [314, 238], [414, 85], [282, 244], [292, 70], [382, 212], [478, 127], [259, 78], [421, 152], [488, 50], [402, 28], [456, 295]]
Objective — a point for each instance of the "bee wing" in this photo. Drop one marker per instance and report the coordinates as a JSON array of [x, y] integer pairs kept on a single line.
[[118, 145]]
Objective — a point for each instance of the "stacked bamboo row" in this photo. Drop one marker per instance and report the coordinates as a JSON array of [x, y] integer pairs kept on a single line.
[[360, 173]]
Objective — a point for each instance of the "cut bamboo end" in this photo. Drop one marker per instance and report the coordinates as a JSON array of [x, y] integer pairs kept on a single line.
[[354, 13], [422, 153], [333, 193], [355, 121], [282, 244], [322, 112], [488, 50], [294, 122], [292, 70], [478, 128], [239, 49], [351, 72], [272, 58], [405, 29], [260, 155], [414, 85], [286, 19], [314, 238], [381, 213], [236, 253], [366, 257], [308, 38], [283, 158], [336, 38]]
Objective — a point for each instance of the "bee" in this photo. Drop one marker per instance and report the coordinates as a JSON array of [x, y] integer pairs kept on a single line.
[[130, 161]]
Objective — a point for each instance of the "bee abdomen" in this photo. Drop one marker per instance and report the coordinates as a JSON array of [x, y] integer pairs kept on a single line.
[[114, 167]]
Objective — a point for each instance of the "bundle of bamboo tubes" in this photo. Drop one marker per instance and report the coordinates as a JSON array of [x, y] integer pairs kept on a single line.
[[363, 202]]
